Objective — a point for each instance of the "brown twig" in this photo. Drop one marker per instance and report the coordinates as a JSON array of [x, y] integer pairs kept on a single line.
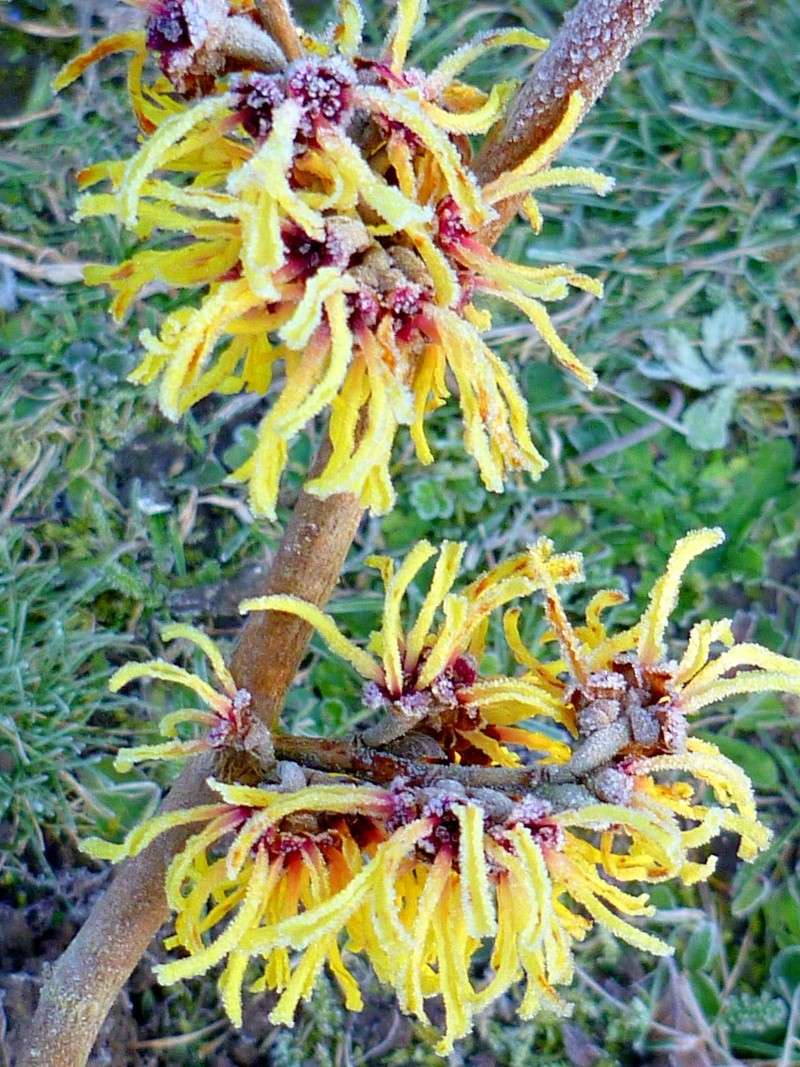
[[84, 983], [307, 564], [276, 18], [379, 766], [588, 50]]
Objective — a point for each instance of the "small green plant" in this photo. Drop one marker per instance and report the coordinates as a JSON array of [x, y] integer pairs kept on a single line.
[[54, 706]]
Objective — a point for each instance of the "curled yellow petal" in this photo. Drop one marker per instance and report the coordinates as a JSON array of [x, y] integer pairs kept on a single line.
[[741, 655], [140, 837], [472, 122], [130, 41], [177, 631], [476, 897], [325, 626], [451, 66], [200, 962], [664, 594], [703, 634], [153, 152], [167, 672]]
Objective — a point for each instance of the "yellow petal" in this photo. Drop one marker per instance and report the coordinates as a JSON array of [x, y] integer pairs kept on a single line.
[[153, 152], [516, 184], [131, 41], [450, 67], [460, 182], [140, 837], [476, 898], [407, 21], [168, 672], [444, 575], [323, 624], [703, 634], [472, 122], [199, 963], [347, 35], [326, 283], [391, 630], [664, 594], [127, 757], [742, 655], [177, 631]]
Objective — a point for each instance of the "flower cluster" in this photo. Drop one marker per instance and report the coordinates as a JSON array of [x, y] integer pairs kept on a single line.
[[327, 210], [415, 877], [425, 680], [470, 871]]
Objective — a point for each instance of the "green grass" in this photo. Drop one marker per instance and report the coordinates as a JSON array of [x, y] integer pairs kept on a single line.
[[114, 522]]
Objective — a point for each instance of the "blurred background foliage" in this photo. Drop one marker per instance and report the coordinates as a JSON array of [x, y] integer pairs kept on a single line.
[[113, 522]]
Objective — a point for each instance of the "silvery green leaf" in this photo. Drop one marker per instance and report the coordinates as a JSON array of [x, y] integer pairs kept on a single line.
[[721, 330], [677, 360], [734, 366], [706, 420], [773, 379]]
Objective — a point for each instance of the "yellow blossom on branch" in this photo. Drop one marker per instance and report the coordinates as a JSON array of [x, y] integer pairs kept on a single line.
[[328, 213], [467, 853], [632, 705], [229, 719], [425, 677], [415, 878]]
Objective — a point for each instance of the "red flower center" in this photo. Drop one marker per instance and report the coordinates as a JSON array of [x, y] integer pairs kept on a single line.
[[258, 96], [452, 230], [324, 90], [168, 27]]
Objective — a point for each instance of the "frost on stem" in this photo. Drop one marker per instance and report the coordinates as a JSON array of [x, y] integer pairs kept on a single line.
[[591, 44]]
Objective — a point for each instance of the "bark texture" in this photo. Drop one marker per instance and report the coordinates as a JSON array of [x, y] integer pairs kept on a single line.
[[594, 40], [82, 986], [307, 564], [588, 50]]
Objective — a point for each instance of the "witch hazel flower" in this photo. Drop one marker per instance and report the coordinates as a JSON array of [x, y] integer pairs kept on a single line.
[[417, 878], [277, 859], [424, 677], [229, 720], [327, 215], [469, 849], [631, 705]]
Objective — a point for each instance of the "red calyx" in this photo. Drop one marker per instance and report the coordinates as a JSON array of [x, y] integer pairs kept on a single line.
[[259, 95], [325, 92], [168, 28], [452, 230]]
